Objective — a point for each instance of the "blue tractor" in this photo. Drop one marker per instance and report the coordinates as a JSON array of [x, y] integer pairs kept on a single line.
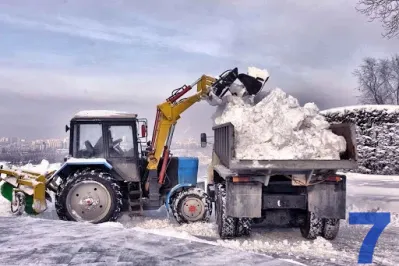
[[106, 172]]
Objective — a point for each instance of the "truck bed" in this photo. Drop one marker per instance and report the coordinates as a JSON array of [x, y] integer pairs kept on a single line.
[[224, 149]]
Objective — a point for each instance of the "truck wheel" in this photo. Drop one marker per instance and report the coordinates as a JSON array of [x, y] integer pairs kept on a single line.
[[244, 226], [89, 196], [226, 225], [330, 228], [191, 205], [312, 226]]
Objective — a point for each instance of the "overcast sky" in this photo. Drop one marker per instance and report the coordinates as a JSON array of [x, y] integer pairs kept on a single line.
[[60, 56]]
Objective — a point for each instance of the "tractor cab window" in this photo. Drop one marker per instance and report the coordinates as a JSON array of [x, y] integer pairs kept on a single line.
[[121, 142], [88, 142]]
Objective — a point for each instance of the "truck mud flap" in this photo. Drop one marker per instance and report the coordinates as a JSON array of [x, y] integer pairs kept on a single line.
[[244, 199], [328, 199]]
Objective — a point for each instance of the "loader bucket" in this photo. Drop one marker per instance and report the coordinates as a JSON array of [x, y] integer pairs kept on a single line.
[[252, 85], [221, 86]]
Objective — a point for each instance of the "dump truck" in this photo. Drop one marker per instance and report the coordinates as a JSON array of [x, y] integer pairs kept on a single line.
[[308, 194], [113, 168]]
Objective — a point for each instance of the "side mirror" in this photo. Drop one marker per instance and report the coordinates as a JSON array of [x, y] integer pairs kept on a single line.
[[144, 130], [67, 128], [203, 140]]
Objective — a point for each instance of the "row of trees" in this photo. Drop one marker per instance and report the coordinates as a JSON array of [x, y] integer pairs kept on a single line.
[[387, 11], [378, 79]]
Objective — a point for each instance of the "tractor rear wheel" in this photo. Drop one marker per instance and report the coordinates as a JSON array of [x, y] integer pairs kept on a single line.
[[89, 196], [191, 205]]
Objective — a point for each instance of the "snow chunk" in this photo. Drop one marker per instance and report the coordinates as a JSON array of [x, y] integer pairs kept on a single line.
[[41, 168], [258, 73], [279, 128]]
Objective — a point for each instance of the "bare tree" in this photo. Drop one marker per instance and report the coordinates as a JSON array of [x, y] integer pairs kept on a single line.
[[387, 11], [394, 81], [378, 80]]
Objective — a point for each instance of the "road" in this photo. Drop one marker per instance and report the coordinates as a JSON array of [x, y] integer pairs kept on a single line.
[[32, 241]]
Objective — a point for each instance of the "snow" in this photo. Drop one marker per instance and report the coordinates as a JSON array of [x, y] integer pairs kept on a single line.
[[365, 193], [277, 127], [100, 113], [41, 168], [367, 108], [86, 244], [258, 73]]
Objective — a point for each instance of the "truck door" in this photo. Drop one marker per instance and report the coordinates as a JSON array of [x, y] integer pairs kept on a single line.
[[122, 150]]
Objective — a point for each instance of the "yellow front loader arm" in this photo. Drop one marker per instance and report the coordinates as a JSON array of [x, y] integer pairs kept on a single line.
[[167, 115]]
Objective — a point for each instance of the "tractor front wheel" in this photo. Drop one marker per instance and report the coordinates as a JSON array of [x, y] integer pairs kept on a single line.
[[191, 205], [89, 196]]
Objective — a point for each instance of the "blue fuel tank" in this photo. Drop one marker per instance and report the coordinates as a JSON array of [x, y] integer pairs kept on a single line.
[[187, 170]]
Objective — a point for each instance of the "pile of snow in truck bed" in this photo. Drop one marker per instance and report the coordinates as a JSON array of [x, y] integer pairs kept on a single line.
[[277, 127]]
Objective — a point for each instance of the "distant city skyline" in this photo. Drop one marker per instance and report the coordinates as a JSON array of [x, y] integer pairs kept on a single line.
[[10, 144]]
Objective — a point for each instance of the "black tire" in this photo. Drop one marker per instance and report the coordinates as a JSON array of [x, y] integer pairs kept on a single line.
[[226, 225], [244, 226], [18, 204], [193, 194], [102, 178], [312, 226], [330, 228]]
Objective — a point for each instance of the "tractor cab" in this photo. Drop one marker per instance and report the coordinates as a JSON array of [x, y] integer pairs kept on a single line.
[[109, 135]]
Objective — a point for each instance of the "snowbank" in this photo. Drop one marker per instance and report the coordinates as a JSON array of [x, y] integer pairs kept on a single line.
[[279, 128], [365, 108], [43, 167], [376, 135]]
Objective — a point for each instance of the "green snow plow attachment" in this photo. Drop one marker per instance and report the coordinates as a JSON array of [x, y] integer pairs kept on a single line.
[[7, 191], [25, 190]]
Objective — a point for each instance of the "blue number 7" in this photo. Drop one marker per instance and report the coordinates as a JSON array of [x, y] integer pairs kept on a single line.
[[379, 220]]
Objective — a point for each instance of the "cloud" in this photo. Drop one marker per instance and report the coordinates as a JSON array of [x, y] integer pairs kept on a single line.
[[132, 54], [140, 86], [127, 35]]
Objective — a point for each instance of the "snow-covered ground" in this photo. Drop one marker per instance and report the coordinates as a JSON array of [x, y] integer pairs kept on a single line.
[[364, 193], [106, 244]]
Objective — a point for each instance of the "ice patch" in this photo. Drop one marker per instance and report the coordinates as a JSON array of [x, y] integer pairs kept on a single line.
[[277, 127]]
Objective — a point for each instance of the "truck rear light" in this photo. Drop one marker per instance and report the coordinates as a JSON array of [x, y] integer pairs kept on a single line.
[[334, 178], [237, 179]]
